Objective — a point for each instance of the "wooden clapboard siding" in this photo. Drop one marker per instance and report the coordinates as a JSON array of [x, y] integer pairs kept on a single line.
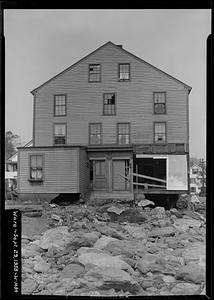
[[83, 171], [134, 101], [60, 171]]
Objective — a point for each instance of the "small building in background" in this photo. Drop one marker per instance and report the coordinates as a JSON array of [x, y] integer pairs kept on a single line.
[[197, 179], [11, 168]]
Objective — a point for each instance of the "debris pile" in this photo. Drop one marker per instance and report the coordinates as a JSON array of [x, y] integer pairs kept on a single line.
[[115, 249]]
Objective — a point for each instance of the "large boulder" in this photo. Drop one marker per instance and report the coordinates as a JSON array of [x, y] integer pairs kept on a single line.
[[103, 260], [110, 277], [72, 270], [103, 241], [184, 288], [128, 248], [42, 266], [135, 231], [143, 264], [182, 225], [161, 232], [191, 272], [194, 252], [132, 215], [57, 237], [29, 286], [81, 239], [109, 231]]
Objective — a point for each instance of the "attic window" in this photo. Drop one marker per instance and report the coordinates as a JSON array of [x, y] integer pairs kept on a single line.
[[124, 72], [95, 73]]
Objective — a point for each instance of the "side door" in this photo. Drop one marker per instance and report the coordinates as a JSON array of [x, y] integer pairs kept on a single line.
[[120, 170], [99, 167]]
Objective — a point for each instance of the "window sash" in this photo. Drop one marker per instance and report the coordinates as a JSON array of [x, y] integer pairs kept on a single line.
[[109, 104], [36, 167], [123, 133], [95, 73], [124, 71], [160, 103], [59, 105], [160, 132], [95, 133], [59, 134]]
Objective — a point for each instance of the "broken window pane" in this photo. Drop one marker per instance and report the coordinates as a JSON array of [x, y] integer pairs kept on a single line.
[[95, 73], [160, 132], [109, 104]]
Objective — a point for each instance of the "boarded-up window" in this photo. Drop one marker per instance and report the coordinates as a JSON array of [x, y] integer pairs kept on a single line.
[[36, 167], [59, 134], [123, 133], [160, 132], [59, 105], [124, 72], [95, 133], [109, 105], [94, 73], [160, 103]]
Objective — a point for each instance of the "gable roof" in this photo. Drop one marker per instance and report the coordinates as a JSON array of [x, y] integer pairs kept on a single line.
[[119, 47]]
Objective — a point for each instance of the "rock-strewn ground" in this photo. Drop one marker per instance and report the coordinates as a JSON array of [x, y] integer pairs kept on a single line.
[[113, 250]]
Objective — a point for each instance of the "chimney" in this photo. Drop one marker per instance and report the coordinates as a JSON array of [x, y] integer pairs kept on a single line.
[[121, 46]]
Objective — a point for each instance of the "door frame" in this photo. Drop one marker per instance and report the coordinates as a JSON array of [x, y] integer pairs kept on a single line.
[[94, 174], [112, 173]]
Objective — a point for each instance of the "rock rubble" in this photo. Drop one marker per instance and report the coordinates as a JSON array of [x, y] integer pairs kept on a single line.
[[113, 250]]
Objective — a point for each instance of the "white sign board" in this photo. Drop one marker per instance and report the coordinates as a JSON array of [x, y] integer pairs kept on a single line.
[[177, 172]]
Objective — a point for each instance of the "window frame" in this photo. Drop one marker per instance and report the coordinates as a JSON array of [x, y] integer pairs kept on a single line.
[[54, 134], [115, 107], [124, 80], [129, 126], [55, 95], [89, 73], [89, 132], [163, 142], [29, 167], [156, 113]]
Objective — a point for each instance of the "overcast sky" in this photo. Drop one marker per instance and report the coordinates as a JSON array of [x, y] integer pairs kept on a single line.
[[41, 43]]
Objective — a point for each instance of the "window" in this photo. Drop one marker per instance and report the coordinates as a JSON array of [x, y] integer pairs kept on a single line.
[[124, 72], [160, 132], [192, 180], [123, 132], [94, 73], [109, 105], [95, 133], [160, 103], [194, 171], [36, 167], [60, 105], [59, 134]]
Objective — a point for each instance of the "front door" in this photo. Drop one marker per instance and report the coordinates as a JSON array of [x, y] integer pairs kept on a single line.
[[120, 173], [99, 167]]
